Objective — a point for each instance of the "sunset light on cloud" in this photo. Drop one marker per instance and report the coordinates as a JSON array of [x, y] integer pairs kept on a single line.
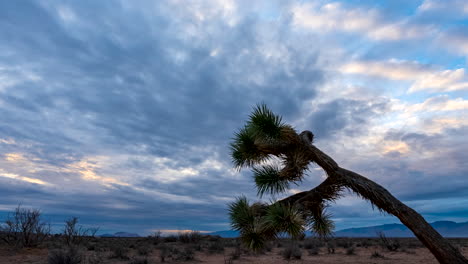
[[122, 112]]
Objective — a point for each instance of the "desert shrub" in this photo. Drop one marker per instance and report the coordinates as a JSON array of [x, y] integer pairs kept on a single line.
[[74, 234], [390, 244], [351, 251], [156, 237], [119, 252], [331, 247], [292, 252], [24, 228], [171, 238], [313, 251], [215, 247], [164, 252], [144, 251], [308, 244], [236, 253], [94, 258], [377, 255], [365, 244], [67, 256], [189, 237], [214, 238], [408, 251], [139, 261], [312, 243], [185, 254], [344, 243], [231, 242], [268, 246]]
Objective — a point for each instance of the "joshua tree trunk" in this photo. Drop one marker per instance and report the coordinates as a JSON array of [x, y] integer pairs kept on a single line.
[[339, 178]]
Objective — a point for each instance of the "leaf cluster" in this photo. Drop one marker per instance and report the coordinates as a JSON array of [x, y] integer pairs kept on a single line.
[[258, 223], [262, 141]]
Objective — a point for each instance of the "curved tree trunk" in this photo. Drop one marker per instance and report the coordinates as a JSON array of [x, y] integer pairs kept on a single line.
[[339, 178]]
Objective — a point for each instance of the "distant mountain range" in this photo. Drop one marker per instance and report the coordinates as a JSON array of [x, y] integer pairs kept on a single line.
[[445, 228], [120, 234]]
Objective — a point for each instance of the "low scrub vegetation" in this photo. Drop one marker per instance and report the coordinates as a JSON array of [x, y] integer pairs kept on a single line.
[[79, 245]]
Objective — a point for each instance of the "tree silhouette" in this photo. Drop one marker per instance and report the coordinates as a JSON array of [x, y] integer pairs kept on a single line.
[[279, 157]]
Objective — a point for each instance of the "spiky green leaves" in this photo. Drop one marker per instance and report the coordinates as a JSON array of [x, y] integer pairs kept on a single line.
[[262, 128], [249, 221], [241, 214], [320, 222], [268, 180], [285, 219], [265, 124], [257, 223], [244, 152]]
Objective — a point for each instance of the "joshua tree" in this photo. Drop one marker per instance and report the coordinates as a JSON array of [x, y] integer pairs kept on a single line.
[[279, 157]]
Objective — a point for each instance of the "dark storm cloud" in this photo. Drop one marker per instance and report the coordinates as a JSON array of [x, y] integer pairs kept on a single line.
[[100, 77], [134, 91]]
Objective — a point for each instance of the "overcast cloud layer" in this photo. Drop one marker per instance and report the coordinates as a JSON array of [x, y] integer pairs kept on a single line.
[[121, 113]]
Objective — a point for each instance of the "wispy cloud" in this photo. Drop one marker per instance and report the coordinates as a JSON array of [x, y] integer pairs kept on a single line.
[[369, 22], [422, 77]]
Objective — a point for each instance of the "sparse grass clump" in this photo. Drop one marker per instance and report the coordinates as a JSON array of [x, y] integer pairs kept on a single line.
[[313, 251], [144, 250], [119, 252], [389, 244], [186, 254], [292, 252], [170, 239], [139, 261], [65, 256], [215, 247], [351, 251], [236, 253], [189, 237], [164, 252], [331, 248], [377, 255]]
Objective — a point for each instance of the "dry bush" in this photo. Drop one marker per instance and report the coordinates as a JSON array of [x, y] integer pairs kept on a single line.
[[215, 247], [94, 258], [344, 243], [139, 261], [377, 255], [156, 237], [119, 252], [24, 228], [292, 252], [164, 252], [331, 247], [189, 237], [186, 254], [236, 253], [313, 251], [171, 238], [351, 251], [390, 244], [68, 256], [76, 235], [144, 251]]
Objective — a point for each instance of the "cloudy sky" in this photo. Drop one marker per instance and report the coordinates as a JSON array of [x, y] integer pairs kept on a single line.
[[121, 112]]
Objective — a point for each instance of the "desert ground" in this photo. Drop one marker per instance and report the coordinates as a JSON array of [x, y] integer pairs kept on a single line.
[[186, 248]]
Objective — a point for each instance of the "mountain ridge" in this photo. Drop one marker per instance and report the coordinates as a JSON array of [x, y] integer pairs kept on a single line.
[[445, 228]]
